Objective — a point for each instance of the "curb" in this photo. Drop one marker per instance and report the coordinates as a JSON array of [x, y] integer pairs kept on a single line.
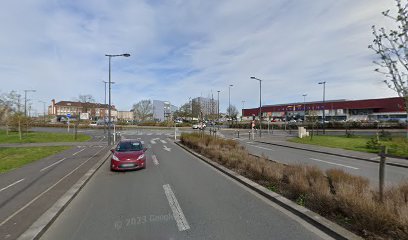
[[37, 229], [332, 229], [335, 154]]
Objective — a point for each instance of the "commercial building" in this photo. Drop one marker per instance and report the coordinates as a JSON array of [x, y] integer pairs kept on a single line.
[[163, 110], [85, 111], [382, 109], [206, 106]]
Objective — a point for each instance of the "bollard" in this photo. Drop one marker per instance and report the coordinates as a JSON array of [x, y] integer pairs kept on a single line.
[[238, 133], [382, 154], [249, 135]]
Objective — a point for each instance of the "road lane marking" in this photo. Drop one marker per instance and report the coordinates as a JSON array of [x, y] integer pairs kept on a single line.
[[78, 152], [163, 141], [48, 189], [166, 148], [14, 183], [52, 164], [263, 148], [155, 161], [338, 164], [178, 214], [152, 141], [374, 158]]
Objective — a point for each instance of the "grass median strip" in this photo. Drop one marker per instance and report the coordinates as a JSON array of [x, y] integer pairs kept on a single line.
[[40, 137], [396, 146], [339, 196], [12, 158]]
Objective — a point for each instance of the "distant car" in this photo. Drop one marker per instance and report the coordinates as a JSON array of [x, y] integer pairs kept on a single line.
[[195, 126], [128, 155]]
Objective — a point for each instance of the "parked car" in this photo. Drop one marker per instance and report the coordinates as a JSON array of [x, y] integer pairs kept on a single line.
[[128, 155], [195, 126]]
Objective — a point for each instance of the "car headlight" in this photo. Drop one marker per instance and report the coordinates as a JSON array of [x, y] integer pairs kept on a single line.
[[115, 158], [140, 157]]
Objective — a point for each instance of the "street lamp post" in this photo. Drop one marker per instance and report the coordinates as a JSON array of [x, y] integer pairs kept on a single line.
[[242, 110], [324, 110], [218, 106], [110, 82], [229, 100], [304, 106], [25, 101], [105, 82], [260, 105]]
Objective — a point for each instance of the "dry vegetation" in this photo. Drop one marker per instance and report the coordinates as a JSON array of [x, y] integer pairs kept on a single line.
[[335, 194]]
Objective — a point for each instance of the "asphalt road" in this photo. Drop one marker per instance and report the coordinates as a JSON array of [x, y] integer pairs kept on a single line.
[[176, 197], [370, 170], [26, 193]]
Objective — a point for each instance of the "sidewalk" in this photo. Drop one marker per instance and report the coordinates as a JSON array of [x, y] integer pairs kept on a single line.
[[370, 157]]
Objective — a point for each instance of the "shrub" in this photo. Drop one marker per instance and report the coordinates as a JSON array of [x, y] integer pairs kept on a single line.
[[373, 143]]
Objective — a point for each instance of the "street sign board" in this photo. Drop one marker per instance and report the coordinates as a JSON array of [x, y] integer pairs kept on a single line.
[[69, 115]]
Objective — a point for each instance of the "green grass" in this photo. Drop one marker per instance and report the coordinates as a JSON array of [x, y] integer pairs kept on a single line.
[[397, 146], [12, 158], [40, 137]]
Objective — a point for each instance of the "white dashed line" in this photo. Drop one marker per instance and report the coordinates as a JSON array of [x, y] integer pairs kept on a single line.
[[59, 161], [155, 161], [14, 183], [338, 164], [178, 214], [78, 152], [163, 141]]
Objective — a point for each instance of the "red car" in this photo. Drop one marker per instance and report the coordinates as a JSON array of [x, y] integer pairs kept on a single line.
[[128, 155]]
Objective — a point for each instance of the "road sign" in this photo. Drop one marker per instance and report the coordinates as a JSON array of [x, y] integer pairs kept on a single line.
[[68, 115]]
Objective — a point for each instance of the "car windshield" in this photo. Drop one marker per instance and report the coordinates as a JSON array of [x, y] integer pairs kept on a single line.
[[129, 146]]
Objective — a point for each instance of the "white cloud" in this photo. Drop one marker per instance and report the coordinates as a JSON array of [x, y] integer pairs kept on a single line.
[[184, 49]]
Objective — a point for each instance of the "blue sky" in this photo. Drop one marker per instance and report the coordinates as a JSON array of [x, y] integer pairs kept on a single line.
[[181, 49]]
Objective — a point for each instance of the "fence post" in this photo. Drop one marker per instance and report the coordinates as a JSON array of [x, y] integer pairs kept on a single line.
[[383, 157]]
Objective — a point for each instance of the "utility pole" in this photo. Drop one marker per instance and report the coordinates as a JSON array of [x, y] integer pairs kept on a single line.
[[218, 106], [304, 107], [43, 109], [229, 100], [324, 109], [260, 105], [25, 101]]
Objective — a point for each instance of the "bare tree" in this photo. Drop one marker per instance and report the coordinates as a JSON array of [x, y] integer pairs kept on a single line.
[[86, 98], [143, 110], [392, 48], [233, 111]]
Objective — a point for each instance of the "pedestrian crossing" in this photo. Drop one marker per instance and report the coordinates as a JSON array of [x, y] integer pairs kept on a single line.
[[148, 133]]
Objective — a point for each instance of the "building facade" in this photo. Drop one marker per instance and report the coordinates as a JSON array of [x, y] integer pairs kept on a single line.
[[163, 110], [125, 116], [206, 106], [88, 111], [335, 110]]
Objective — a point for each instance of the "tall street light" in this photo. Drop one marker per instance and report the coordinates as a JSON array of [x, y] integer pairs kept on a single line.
[[304, 106], [229, 100], [25, 101], [218, 106], [324, 110], [105, 82], [242, 110], [260, 104], [110, 83]]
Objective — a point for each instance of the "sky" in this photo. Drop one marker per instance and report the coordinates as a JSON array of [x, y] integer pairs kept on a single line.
[[181, 49]]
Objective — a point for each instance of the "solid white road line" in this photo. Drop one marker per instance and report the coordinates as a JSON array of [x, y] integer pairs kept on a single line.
[[78, 152], [163, 141], [178, 214], [14, 183], [52, 164], [262, 148], [338, 164], [48, 189], [155, 161]]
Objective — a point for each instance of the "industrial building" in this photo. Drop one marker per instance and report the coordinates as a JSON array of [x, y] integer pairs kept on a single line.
[[383, 109]]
